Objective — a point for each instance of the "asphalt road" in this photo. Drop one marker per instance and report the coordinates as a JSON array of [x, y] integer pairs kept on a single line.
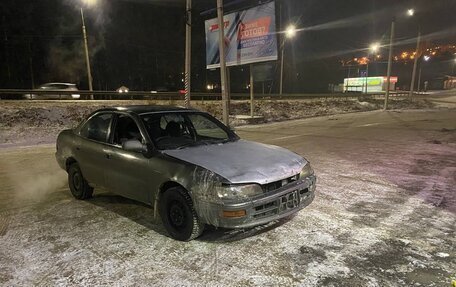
[[384, 215]]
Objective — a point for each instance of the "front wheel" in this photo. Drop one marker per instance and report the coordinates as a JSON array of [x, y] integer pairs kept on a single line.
[[178, 215], [79, 187]]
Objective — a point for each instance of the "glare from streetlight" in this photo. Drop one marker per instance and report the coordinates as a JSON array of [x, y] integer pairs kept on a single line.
[[290, 32], [89, 2], [426, 58], [411, 12], [375, 47]]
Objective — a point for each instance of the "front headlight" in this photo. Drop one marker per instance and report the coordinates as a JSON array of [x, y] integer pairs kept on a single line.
[[238, 191], [306, 171]]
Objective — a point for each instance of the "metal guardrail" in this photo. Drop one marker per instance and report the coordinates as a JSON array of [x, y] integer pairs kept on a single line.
[[18, 94]]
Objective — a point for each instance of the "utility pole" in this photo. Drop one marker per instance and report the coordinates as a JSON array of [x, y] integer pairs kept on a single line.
[[86, 48], [5, 34], [367, 71], [282, 41], [251, 90], [417, 55], [390, 63], [281, 67], [223, 78], [188, 52], [419, 79], [32, 77]]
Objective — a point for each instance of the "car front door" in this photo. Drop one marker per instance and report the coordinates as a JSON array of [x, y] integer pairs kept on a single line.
[[128, 172]]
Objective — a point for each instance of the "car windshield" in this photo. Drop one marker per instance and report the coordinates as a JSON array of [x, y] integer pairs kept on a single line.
[[183, 130]]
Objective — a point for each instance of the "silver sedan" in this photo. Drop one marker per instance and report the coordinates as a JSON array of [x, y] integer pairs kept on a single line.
[[191, 168]]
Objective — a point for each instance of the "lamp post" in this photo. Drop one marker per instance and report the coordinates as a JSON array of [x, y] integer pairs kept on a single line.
[[188, 52], [417, 55], [411, 13], [223, 73], [290, 32], [390, 62], [372, 49], [425, 59], [86, 46]]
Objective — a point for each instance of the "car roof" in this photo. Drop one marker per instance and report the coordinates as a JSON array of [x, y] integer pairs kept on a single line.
[[145, 109]]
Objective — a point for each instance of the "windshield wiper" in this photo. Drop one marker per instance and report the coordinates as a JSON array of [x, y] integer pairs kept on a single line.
[[204, 142], [190, 144]]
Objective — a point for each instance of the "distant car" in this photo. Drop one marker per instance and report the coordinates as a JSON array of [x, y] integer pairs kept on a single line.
[[54, 89], [186, 164], [122, 90]]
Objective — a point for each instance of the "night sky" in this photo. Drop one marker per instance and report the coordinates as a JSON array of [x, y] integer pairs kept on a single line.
[[140, 43]]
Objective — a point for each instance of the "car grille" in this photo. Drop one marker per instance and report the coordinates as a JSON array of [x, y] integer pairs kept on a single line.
[[283, 203]]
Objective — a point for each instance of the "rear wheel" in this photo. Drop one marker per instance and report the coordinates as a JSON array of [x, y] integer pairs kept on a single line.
[[79, 187], [178, 215]]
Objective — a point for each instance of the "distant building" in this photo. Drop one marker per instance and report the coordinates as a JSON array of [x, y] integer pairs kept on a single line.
[[443, 83], [449, 83], [373, 84]]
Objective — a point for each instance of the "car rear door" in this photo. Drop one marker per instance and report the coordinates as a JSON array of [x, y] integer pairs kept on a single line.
[[91, 148]]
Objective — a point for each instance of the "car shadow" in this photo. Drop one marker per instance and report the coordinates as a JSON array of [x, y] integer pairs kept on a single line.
[[222, 235], [143, 214], [136, 211]]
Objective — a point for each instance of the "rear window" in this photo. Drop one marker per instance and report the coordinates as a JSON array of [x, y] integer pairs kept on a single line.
[[97, 128]]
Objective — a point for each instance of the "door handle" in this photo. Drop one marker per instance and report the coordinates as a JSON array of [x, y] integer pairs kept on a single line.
[[78, 148], [108, 156]]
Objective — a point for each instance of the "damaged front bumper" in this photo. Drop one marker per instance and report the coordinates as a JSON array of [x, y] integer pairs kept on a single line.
[[268, 207]]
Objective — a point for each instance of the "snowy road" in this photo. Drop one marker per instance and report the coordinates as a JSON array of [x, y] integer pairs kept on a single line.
[[384, 215]]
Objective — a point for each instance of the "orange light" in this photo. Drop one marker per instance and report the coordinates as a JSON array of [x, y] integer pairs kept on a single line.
[[234, 213]]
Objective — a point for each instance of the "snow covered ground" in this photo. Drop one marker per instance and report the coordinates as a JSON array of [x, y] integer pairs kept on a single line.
[[384, 215], [38, 122]]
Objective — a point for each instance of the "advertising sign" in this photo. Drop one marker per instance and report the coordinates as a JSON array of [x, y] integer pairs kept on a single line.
[[249, 37], [374, 84], [263, 72]]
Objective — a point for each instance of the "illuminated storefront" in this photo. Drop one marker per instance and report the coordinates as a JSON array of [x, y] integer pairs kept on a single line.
[[373, 84]]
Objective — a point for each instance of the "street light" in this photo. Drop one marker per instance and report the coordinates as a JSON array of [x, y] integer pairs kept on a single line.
[[426, 58], [374, 47], [86, 46], [290, 32], [390, 63], [410, 13], [417, 55]]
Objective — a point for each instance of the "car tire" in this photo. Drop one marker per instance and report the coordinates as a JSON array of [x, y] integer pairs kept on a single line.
[[178, 215], [79, 187]]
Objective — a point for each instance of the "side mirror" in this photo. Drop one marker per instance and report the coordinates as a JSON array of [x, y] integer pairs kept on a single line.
[[134, 146]]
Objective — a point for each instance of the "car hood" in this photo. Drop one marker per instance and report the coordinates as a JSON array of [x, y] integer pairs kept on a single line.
[[243, 161]]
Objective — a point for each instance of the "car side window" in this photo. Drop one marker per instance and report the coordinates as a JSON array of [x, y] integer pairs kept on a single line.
[[97, 128], [126, 129]]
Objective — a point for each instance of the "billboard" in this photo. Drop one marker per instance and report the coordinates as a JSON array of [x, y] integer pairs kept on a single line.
[[249, 37], [374, 84]]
